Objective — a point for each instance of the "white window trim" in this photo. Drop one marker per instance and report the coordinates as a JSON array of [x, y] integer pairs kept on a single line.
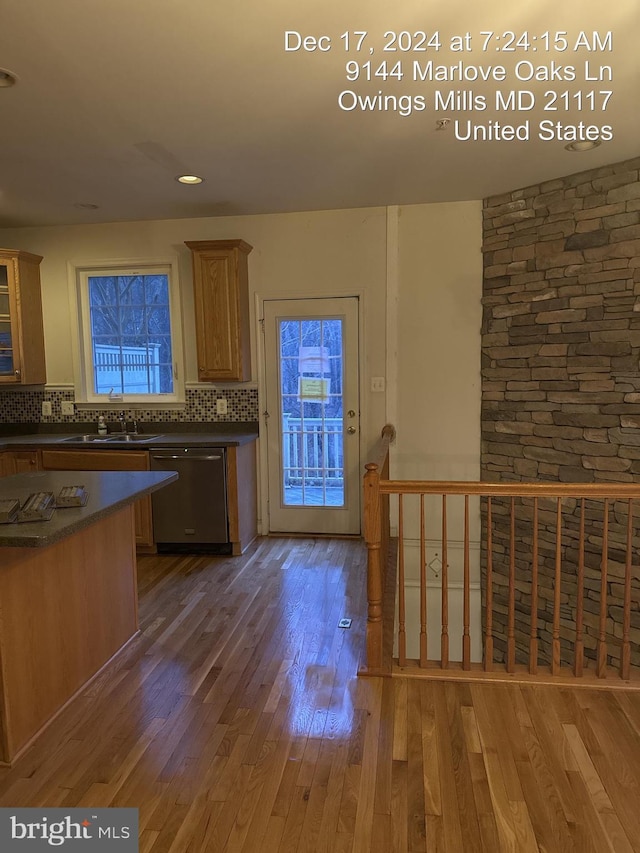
[[78, 272]]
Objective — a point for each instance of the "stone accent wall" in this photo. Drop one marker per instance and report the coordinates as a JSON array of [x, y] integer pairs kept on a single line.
[[561, 374]]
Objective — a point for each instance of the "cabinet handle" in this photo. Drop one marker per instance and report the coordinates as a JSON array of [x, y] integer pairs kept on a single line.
[[17, 372], [189, 458]]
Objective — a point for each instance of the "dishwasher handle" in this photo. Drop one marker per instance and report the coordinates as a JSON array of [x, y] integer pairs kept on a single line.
[[190, 459]]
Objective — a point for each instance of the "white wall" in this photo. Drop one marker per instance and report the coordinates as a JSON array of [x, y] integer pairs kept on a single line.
[[437, 401], [439, 319]]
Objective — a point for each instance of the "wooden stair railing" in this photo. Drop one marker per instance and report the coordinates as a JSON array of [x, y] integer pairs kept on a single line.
[[376, 534], [525, 529]]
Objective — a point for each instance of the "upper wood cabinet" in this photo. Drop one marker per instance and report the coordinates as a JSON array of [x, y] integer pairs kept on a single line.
[[21, 332], [221, 290]]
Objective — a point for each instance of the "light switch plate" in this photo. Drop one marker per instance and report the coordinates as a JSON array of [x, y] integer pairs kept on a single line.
[[68, 407], [377, 383], [46, 408], [221, 406]]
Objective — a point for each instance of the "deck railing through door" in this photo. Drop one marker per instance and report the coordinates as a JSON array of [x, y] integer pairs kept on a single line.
[[550, 555]]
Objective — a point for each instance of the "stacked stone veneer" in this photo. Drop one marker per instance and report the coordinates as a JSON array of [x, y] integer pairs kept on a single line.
[[561, 383]]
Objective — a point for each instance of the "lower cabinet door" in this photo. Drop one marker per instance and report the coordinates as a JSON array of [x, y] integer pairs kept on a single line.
[[18, 462]]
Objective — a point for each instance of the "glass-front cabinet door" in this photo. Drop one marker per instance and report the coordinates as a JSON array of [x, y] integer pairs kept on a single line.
[[7, 337], [22, 358]]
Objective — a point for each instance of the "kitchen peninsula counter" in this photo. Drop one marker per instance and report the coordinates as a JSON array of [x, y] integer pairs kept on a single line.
[[68, 595], [108, 491]]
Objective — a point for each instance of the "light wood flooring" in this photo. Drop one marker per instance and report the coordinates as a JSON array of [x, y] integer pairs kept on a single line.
[[236, 722]]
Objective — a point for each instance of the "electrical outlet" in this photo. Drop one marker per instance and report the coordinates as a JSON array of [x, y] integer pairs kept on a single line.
[[46, 408], [68, 407], [221, 406], [377, 384]]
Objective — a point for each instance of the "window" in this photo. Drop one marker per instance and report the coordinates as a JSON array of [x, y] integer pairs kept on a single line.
[[130, 347]]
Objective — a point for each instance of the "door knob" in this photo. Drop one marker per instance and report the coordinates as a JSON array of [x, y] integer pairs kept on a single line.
[[351, 413], [351, 430]]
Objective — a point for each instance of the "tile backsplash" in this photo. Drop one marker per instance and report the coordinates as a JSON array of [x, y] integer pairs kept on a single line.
[[25, 406]]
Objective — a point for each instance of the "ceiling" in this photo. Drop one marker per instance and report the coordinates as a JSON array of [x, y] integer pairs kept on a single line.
[[115, 98]]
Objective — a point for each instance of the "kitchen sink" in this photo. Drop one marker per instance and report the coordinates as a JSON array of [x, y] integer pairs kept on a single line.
[[139, 437], [110, 438], [90, 437]]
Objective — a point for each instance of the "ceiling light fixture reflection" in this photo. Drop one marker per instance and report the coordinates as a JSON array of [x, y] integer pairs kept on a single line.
[[7, 78], [189, 179], [583, 145]]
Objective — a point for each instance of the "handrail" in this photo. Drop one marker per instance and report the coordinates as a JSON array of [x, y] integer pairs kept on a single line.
[[546, 564], [380, 452], [516, 490]]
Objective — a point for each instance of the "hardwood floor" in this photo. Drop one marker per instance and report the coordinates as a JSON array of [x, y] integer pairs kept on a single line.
[[236, 722]]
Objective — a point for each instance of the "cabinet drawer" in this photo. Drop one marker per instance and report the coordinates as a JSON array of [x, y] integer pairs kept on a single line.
[[95, 460]]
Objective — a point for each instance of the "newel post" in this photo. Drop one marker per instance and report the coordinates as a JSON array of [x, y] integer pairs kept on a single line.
[[375, 582]]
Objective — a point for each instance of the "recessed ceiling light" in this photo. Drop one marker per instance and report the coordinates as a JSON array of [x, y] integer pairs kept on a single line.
[[583, 145], [7, 78], [189, 179], [85, 206]]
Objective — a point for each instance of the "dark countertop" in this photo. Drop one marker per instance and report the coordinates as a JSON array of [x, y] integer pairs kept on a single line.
[[164, 435], [108, 492]]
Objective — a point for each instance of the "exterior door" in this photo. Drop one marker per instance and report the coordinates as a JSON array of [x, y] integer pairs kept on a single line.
[[311, 356]]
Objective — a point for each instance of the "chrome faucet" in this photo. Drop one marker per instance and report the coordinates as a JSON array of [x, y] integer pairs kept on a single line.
[[123, 422]]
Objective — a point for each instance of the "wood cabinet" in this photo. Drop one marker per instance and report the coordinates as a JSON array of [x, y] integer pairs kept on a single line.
[[67, 608], [221, 293], [19, 462], [21, 331], [109, 460], [242, 496]]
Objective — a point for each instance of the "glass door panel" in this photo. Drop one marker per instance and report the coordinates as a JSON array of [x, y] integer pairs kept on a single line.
[[311, 411], [6, 348], [6, 338], [311, 358]]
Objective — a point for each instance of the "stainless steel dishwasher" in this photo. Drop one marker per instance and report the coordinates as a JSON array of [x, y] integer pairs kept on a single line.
[[191, 514]]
